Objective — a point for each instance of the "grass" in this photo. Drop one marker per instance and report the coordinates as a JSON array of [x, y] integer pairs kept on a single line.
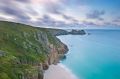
[[22, 49]]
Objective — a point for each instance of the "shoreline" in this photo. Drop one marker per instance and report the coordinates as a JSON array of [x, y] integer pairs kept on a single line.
[[59, 72]]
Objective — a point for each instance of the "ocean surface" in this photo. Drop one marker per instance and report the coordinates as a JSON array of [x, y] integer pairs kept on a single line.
[[93, 56]]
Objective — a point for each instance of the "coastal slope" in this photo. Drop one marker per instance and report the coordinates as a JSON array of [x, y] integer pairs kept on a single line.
[[26, 51]]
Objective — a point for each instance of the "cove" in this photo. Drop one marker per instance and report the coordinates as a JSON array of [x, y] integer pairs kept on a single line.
[[94, 56]]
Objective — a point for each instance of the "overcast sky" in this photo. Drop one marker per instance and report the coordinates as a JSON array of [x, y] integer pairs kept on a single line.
[[62, 13]]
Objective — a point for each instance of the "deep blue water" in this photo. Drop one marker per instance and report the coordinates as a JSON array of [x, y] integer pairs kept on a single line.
[[94, 56]]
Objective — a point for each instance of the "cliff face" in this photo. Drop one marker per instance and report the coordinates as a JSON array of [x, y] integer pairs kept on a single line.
[[25, 51]]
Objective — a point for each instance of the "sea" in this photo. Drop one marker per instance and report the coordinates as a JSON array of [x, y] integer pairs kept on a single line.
[[95, 55]]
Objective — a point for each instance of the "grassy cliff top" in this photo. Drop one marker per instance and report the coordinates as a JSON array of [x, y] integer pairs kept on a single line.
[[21, 47]]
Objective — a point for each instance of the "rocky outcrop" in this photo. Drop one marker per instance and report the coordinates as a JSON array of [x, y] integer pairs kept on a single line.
[[58, 32], [77, 32]]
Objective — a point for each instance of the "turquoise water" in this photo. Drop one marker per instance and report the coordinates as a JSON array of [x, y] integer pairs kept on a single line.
[[94, 56]]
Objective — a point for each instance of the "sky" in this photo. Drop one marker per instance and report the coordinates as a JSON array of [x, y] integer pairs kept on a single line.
[[62, 13]]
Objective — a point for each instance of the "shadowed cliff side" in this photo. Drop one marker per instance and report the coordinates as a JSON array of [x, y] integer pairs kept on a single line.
[[25, 51]]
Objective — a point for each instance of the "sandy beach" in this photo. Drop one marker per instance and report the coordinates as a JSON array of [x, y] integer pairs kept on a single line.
[[58, 72]]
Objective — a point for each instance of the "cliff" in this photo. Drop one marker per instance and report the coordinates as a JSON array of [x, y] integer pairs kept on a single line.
[[26, 51]]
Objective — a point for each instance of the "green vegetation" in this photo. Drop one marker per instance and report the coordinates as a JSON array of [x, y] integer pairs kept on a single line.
[[22, 47]]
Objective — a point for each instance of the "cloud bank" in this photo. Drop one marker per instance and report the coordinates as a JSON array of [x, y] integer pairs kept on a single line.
[[54, 13]]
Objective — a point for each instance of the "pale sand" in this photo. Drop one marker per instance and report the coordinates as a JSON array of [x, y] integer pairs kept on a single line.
[[58, 72]]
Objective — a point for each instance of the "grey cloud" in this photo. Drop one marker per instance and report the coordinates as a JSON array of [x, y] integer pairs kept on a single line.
[[24, 1], [95, 15], [54, 8], [69, 18], [117, 19], [111, 24], [88, 23], [19, 13], [16, 12], [45, 20], [48, 21], [2, 19]]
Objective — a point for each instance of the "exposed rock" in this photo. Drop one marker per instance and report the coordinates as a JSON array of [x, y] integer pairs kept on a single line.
[[77, 32], [57, 32]]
